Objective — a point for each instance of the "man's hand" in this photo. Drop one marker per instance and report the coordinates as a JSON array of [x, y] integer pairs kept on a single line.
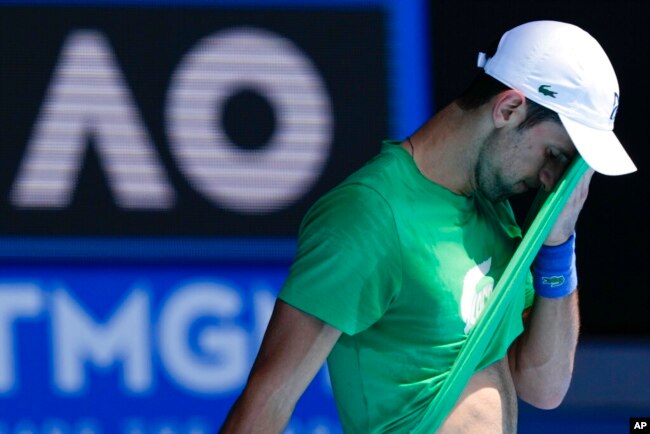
[[566, 222]]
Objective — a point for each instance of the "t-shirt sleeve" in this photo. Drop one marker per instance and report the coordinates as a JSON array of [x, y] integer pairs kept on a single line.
[[347, 268]]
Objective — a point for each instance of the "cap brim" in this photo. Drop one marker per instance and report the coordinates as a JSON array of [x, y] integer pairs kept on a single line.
[[601, 149]]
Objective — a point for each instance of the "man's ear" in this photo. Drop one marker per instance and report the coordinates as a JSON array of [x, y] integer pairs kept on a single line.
[[509, 108]]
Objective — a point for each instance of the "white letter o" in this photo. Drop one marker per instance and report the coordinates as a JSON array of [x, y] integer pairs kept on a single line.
[[250, 181]]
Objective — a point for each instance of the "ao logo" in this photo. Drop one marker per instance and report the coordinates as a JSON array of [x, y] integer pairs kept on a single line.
[[89, 97], [477, 288]]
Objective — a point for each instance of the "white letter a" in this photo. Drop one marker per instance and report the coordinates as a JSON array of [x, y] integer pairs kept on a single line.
[[88, 97]]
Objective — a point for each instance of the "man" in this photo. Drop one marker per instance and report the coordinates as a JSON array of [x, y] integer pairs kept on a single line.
[[395, 264]]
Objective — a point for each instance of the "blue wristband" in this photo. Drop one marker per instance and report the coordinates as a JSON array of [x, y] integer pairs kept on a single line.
[[554, 270]]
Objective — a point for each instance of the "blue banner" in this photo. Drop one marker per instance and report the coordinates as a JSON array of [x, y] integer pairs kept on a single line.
[[125, 349]]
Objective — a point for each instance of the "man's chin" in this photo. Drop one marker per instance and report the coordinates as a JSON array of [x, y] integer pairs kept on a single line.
[[499, 195], [503, 196]]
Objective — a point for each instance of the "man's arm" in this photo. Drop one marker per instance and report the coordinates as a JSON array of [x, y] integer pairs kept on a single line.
[[541, 359], [294, 348]]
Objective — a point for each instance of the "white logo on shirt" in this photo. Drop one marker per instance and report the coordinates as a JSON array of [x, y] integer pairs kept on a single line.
[[476, 290]]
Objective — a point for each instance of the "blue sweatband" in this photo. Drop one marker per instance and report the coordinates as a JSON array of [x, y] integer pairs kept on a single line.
[[554, 270]]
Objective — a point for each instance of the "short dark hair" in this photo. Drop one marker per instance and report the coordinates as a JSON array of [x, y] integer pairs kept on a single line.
[[484, 87]]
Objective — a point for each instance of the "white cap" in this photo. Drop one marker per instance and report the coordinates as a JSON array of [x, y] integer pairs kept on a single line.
[[563, 68]]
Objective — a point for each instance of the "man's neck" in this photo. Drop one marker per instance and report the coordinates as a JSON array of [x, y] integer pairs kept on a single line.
[[445, 148]]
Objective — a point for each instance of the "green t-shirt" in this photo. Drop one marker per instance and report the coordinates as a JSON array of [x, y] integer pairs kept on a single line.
[[403, 267]]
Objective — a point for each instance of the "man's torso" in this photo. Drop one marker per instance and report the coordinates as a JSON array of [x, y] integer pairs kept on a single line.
[[439, 255], [488, 405]]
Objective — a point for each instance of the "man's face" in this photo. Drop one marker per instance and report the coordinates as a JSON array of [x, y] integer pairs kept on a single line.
[[512, 161]]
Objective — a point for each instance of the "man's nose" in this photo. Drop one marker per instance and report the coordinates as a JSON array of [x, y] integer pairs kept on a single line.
[[551, 173]]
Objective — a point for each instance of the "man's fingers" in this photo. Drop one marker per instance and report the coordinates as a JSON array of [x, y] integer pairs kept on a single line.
[[566, 221]]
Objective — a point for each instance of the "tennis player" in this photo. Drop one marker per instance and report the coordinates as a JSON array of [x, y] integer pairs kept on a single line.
[[395, 264]]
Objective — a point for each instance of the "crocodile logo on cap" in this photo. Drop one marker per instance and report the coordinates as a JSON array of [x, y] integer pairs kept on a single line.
[[545, 90]]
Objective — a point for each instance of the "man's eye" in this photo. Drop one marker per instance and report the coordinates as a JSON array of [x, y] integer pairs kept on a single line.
[[556, 155]]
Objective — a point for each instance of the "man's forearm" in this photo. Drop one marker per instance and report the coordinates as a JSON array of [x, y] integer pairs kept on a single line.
[[262, 417], [542, 358]]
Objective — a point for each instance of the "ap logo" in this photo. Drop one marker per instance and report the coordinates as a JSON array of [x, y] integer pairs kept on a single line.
[[639, 424]]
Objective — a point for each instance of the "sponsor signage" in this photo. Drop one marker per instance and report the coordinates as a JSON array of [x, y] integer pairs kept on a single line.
[[124, 349]]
